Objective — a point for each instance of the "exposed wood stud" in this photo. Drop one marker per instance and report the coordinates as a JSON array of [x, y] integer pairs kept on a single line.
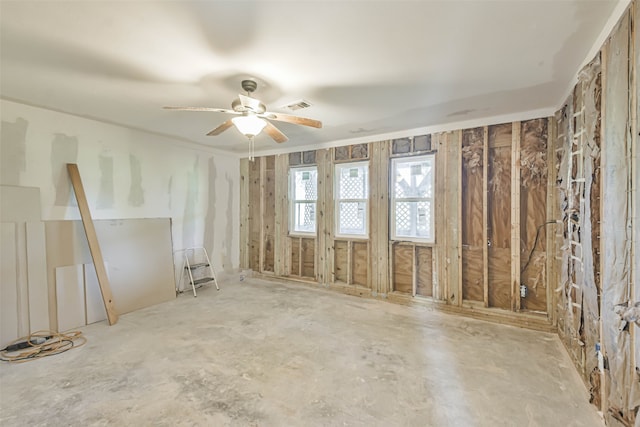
[[244, 213], [457, 195], [263, 164], [515, 216], [485, 217], [281, 215], [551, 209], [349, 260]]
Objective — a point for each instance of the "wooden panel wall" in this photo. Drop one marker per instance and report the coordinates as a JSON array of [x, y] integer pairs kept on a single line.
[[490, 200]]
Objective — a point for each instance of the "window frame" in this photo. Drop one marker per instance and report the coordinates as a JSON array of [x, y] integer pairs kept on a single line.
[[393, 199], [336, 200], [293, 202]]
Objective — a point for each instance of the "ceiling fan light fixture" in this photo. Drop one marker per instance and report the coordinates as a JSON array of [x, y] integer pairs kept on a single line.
[[249, 125]]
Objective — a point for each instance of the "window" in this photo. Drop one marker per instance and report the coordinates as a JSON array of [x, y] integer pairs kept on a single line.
[[351, 196], [303, 193], [412, 198]]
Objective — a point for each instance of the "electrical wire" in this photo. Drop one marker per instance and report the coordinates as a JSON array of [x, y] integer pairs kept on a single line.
[[55, 343], [535, 243]]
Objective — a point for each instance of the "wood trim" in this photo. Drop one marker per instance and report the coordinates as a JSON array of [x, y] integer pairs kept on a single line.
[[94, 246]]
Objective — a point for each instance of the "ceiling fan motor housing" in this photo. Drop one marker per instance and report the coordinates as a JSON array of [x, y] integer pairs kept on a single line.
[[249, 85]]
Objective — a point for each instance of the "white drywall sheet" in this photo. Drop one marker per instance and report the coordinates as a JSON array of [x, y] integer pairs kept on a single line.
[[70, 297], [37, 277], [8, 290], [95, 305]]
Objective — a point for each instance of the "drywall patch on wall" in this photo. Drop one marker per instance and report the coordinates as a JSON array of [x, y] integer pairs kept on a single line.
[[136, 192], [12, 150], [190, 211], [106, 194], [64, 149]]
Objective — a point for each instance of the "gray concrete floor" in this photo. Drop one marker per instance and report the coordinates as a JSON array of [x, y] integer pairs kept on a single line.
[[267, 354]]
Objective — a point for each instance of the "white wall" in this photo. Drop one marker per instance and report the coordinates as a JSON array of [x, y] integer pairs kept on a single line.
[[126, 174]]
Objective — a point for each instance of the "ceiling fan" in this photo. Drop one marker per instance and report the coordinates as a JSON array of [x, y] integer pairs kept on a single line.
[[252, 116]]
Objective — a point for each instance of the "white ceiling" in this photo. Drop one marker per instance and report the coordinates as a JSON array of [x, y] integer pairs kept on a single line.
[[368, 68]]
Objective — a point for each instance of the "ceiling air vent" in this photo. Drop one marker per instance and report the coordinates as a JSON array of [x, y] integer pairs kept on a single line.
[[297, 105]]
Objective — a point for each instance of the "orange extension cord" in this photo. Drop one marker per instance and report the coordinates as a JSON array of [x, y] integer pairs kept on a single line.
[[55, 343]]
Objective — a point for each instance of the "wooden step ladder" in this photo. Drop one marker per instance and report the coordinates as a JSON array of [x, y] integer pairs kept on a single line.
[[198, 267]]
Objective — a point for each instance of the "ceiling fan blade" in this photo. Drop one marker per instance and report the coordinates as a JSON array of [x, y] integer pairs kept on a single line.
[[248, 102], [275, 133], [293, 119], [224, 126], [215, 110]]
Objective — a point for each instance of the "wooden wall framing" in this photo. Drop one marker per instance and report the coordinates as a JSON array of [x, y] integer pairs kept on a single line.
[[546, 203], [487, 213]]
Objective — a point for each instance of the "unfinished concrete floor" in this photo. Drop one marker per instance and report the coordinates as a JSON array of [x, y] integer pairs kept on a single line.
[[267, 354]]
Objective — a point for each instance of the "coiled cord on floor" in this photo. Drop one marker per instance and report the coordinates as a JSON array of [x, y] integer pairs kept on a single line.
[[54, 343]]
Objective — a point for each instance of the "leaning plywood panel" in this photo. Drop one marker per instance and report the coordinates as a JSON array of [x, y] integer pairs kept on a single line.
[[623, 388], [37, 274], [70, 297], [8, 290]]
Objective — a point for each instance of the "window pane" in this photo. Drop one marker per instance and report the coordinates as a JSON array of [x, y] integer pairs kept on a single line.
[[413, 219], [352, 218], [413, 178], [305, 184], [305, 217], [353, 182]]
